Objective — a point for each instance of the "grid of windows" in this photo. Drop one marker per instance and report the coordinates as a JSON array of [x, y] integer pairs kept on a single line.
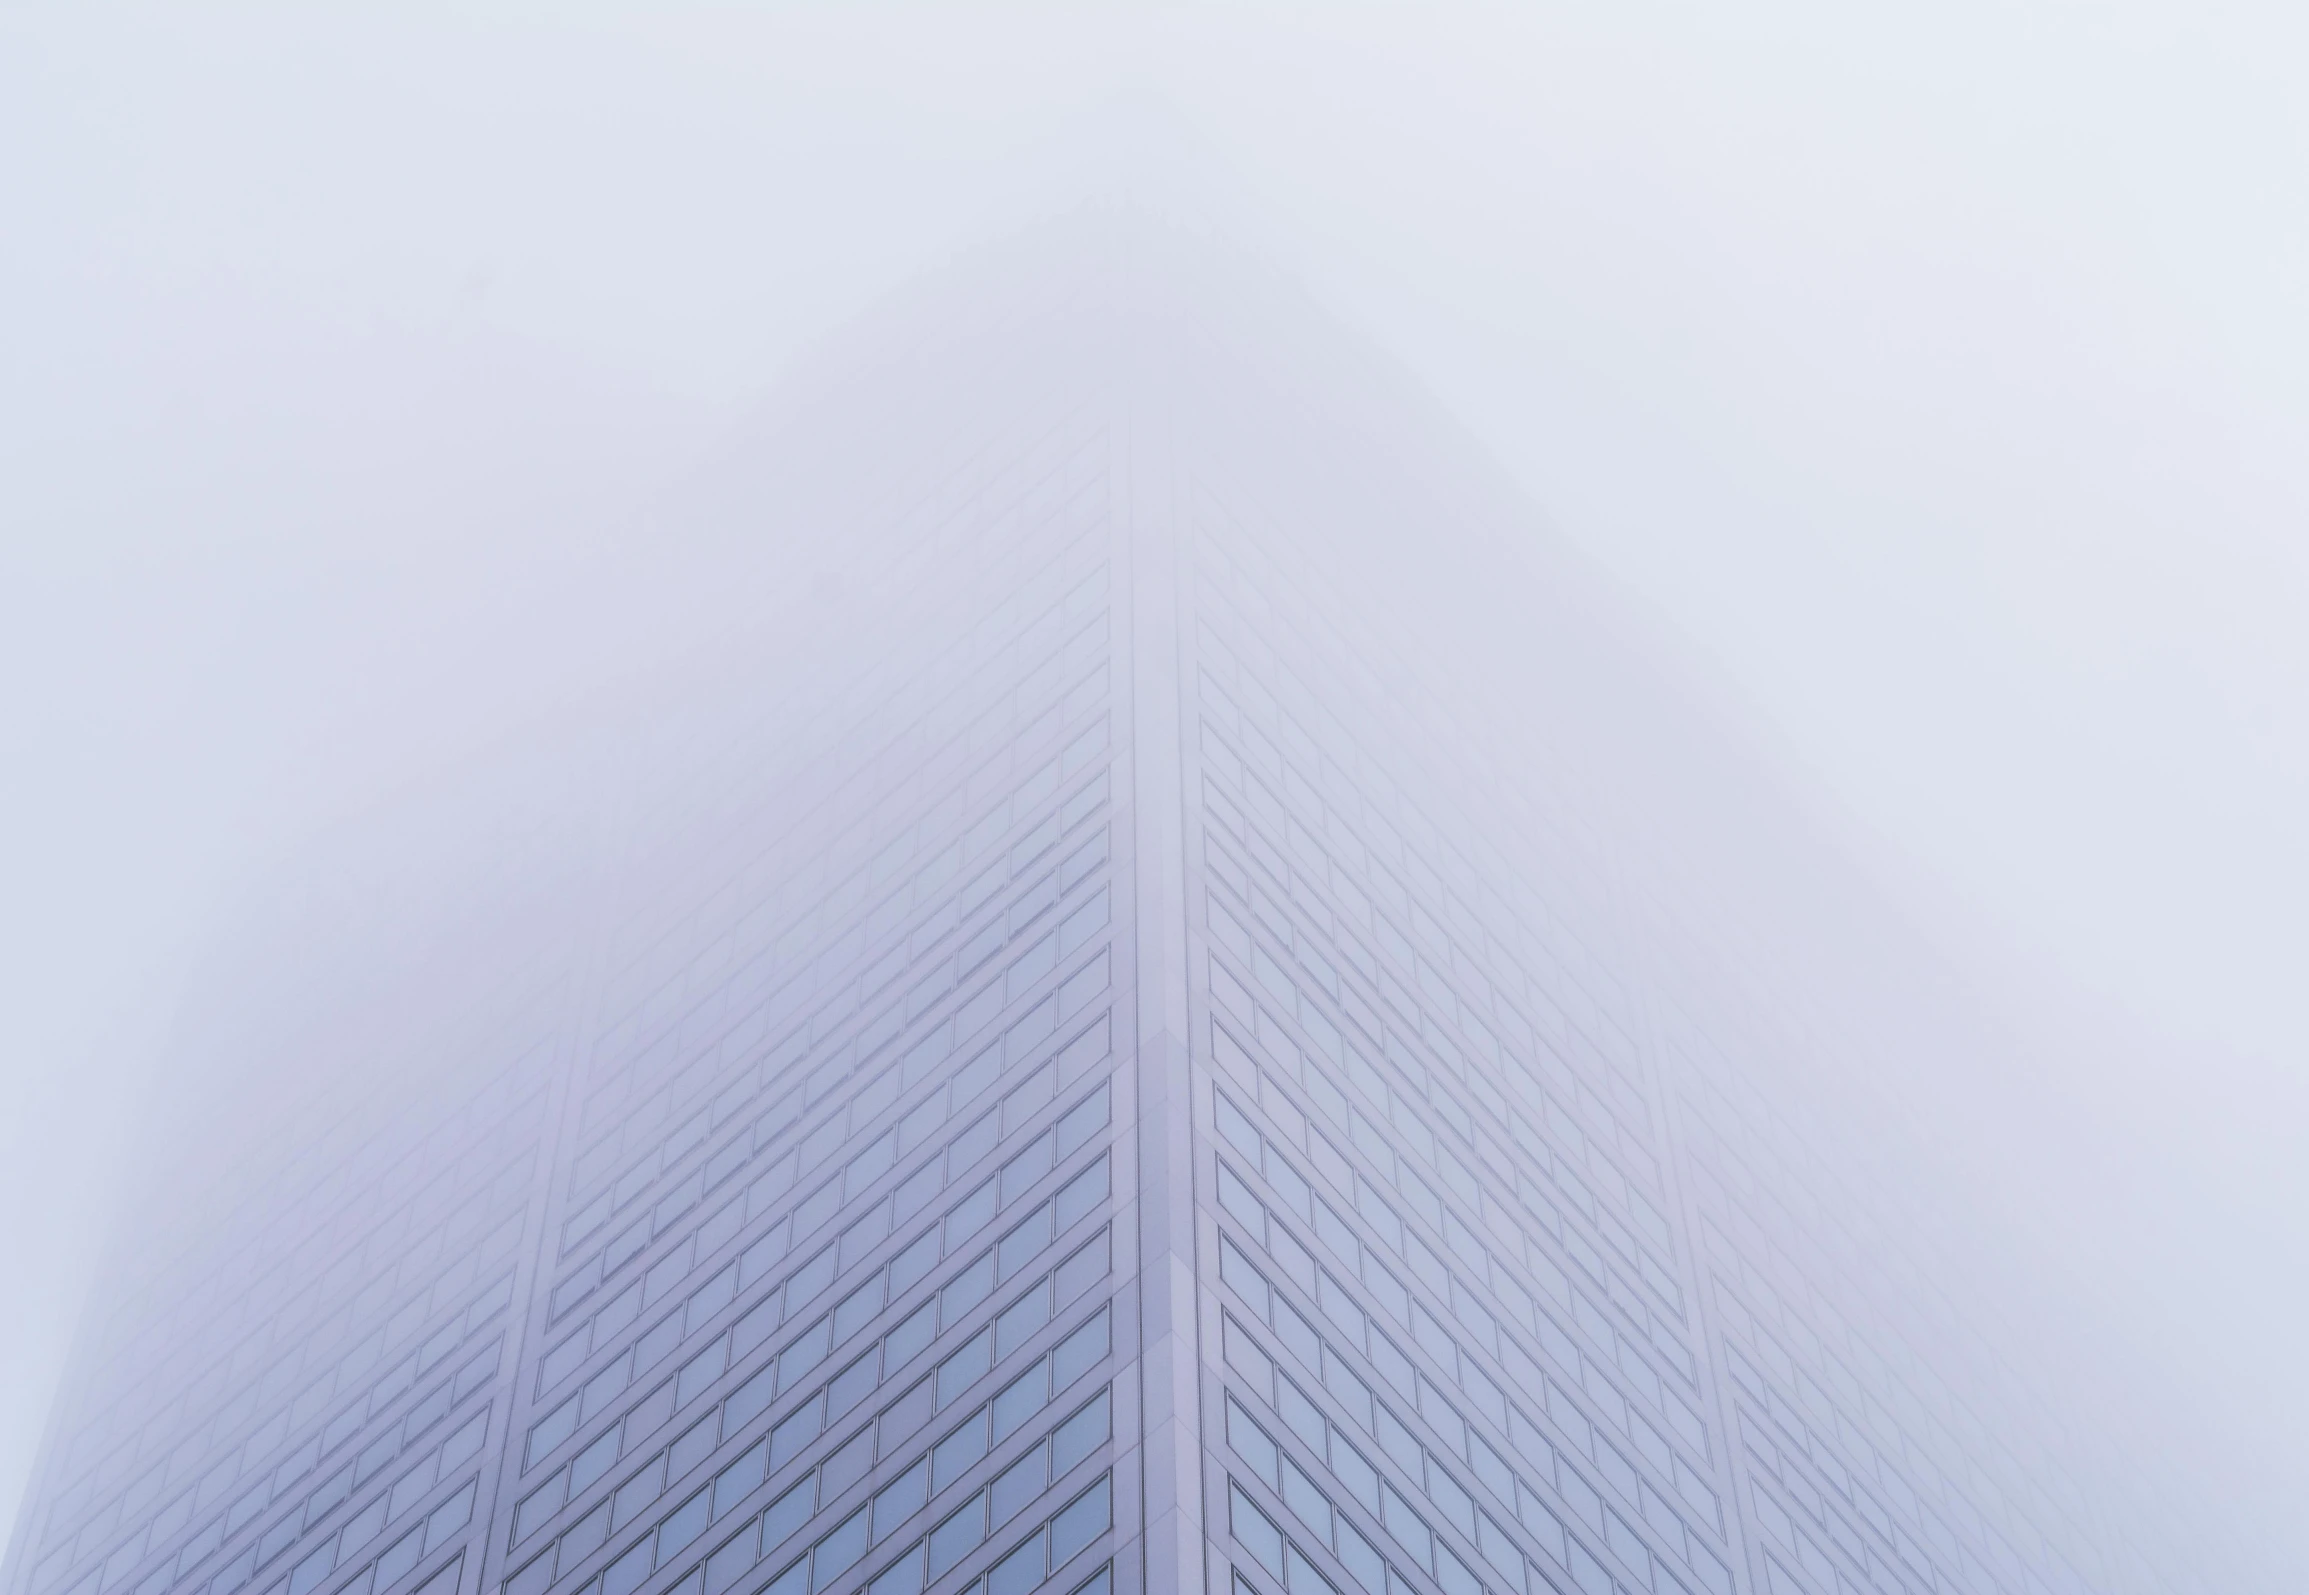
[[842, 1128], [1442, 1170]]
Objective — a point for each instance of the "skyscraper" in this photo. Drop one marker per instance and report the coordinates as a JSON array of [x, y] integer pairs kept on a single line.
[[1161, 1007]]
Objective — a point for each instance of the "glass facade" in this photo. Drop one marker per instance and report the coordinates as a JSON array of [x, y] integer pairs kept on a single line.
[[1076, 1070]]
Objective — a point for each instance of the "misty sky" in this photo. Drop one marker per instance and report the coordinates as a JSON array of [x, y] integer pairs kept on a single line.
[[1941, 381]]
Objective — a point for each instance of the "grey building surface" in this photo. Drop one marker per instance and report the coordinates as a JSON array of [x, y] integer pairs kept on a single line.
[[1165, 1004]]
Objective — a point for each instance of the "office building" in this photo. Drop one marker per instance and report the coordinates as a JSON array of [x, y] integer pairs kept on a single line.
[[1165, 1007]]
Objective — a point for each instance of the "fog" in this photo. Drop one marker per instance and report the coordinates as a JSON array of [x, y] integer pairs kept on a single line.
[[1935, 389]]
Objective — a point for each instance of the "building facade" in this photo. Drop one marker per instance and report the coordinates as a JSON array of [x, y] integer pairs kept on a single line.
[[1135, 1029]]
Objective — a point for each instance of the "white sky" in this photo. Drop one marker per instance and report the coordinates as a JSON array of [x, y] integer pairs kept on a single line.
[[1942, 379]]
